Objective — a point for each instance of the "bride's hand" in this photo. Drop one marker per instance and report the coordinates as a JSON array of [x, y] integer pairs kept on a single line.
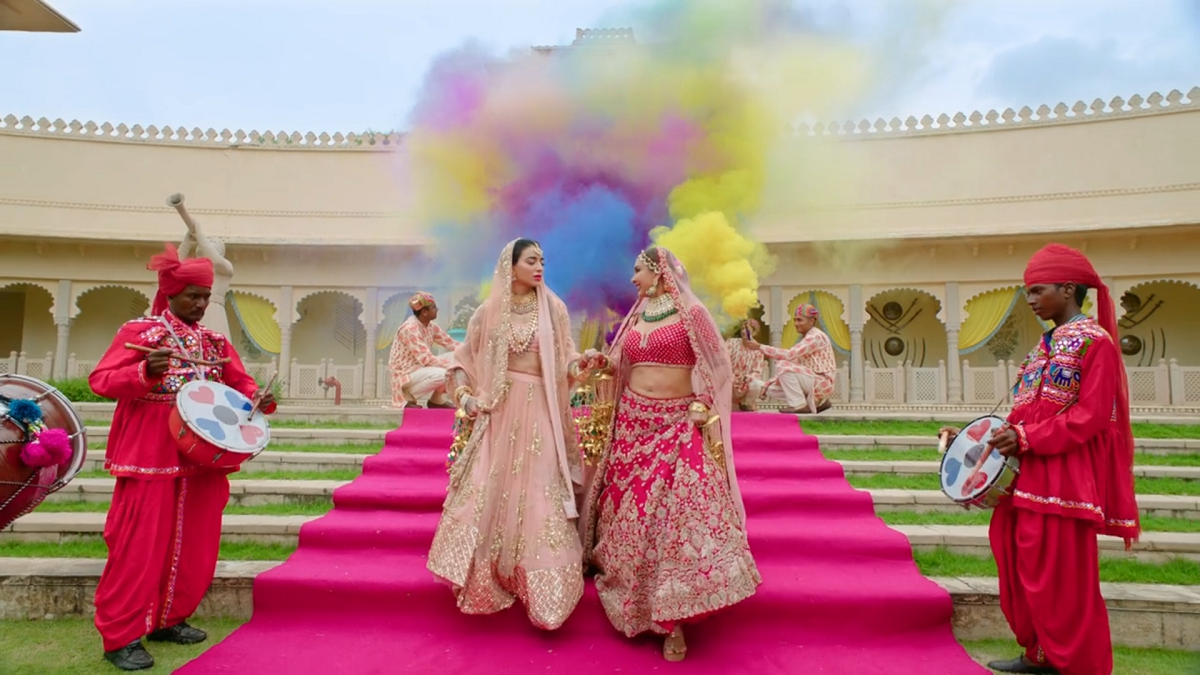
[[473, 407], [698, 413]]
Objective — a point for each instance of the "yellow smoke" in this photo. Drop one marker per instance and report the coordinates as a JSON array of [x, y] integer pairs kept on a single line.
[[724, 265]]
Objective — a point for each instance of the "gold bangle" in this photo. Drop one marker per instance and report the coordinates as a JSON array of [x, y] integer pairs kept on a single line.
[[460, 391], [698, 407]]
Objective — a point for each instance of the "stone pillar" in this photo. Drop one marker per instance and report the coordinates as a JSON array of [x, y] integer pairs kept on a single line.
[[62, 320], [777, 316], [856, 344], [371, 324], [283, 317], [61, 350], [954, 386]]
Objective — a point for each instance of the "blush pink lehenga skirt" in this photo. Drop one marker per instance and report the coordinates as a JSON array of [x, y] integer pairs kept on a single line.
[[670, 546], [504, 534]]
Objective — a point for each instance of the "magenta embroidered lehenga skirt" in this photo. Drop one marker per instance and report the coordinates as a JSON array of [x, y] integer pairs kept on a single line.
[[670, 546], [504, 533]]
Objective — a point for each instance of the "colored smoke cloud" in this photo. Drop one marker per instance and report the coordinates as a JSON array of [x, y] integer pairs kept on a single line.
[[602, 149]]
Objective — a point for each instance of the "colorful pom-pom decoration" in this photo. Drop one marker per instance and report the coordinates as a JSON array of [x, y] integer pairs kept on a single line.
[[25, 411], [57, 443], [35, 456]]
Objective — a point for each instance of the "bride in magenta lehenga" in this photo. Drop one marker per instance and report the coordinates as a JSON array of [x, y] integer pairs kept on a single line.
[[507, 530], [663, 522]]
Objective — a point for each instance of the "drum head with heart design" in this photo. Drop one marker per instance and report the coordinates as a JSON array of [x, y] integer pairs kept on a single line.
[[960, 480], [221, 415]]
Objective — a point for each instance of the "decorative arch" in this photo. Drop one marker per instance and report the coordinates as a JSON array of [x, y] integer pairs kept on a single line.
[[986, 313], [26, 318], [81, 290], [329, 327], [905, 327], [832, 310], [102, 310], [255, 317], [1157, 320]]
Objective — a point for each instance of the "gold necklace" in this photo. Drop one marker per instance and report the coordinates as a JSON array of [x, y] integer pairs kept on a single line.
[[524, 304], [522, 337]]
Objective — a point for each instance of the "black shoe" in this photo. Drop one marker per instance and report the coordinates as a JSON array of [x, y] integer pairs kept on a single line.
[[132, 656], [1021, 665], [180, 634]]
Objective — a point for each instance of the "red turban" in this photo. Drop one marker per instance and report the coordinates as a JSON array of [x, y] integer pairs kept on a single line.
[[175, 275], [1058, 264]]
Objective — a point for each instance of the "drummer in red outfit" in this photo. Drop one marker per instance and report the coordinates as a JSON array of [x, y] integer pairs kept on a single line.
[[1070, 429], [164, 525]]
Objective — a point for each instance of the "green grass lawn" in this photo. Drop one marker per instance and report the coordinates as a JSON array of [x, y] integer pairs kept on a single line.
[[1149, 523], [832, 427], [815, 425], [932, 455], [72, 647], [349, 473], [92, 546], [942, 562], [299, 505], [1126, 660], [351, 448], [932, 481]]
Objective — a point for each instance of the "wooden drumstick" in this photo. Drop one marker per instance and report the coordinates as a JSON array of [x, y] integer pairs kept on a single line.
[[266, 389], [177, 355]]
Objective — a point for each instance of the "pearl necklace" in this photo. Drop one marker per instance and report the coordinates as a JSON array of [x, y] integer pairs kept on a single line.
[[522, 337]]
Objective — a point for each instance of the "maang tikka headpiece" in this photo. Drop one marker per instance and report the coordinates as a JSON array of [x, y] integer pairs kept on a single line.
[[651, 265]]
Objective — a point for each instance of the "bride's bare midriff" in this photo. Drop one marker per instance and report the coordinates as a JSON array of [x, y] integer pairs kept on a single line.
[[661, 381], [654, 381], [529, 363]]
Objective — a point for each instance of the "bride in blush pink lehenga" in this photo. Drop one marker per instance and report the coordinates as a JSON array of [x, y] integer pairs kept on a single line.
[[508, 529], [663, 522]]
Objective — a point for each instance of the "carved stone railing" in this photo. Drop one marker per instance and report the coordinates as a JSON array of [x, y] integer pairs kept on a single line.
[[212, 138], [1118, 107], [1045, 115]]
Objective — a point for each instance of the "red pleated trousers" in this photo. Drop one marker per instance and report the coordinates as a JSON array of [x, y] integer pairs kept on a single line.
[[1050, 589], [163, 539]]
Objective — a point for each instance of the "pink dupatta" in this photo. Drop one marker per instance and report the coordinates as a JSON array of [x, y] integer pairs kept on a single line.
[[483, 356]]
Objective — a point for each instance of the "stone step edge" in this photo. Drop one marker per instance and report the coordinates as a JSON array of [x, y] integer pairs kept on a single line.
[[319, 461], [1151, 414], [827, 441], [974, 536], [1141, 615], [325, 488]]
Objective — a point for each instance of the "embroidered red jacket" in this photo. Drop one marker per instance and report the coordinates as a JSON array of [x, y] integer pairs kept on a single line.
[[1065, 414], [139, 443]]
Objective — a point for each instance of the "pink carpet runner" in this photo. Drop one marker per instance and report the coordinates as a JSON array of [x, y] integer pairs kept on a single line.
[[841, 593]]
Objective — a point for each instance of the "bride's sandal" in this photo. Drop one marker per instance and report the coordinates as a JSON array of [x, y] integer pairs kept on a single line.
[[674, 647]]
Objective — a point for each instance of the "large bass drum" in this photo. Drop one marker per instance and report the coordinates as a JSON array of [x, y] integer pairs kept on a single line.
[[24, 487]]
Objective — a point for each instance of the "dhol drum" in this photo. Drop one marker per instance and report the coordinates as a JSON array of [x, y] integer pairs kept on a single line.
[[972, 476], [29, 407], [212, 424]]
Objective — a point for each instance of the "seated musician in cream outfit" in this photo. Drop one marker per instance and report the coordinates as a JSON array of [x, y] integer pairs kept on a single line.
[[417, 374], [805, 372]]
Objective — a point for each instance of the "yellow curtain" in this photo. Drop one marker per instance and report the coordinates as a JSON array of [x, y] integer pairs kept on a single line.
[[830, 320], [257, 317], [985, 314], [394, 314], [588, 333]]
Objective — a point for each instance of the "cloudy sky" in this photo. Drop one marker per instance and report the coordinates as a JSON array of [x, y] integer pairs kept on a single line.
[[354, 65]]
